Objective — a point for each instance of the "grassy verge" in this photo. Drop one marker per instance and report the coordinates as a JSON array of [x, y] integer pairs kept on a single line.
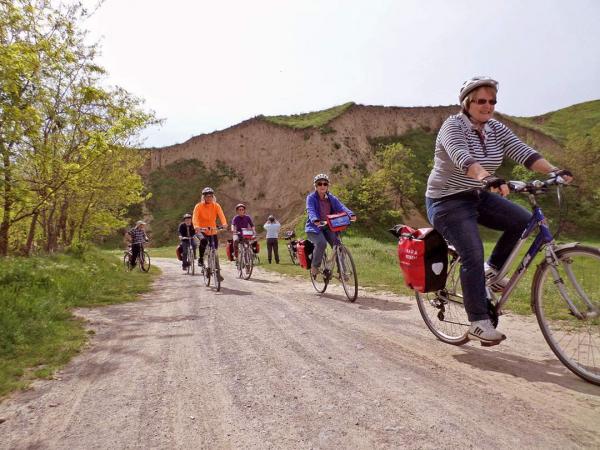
[[38, 333]]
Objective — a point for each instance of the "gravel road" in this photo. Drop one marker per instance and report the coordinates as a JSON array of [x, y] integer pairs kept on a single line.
[[268, 363]]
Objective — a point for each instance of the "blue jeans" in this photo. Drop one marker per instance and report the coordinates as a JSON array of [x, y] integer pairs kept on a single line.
[[456, 217], [320, 241]]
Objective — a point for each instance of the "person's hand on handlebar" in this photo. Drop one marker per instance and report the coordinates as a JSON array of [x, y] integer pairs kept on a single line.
[[565, 174], [493, 183]]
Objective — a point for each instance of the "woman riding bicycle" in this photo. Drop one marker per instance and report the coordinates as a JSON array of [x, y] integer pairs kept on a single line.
[[239, 222], [319, 204], [470, 146], [205, 216], [186, 234]]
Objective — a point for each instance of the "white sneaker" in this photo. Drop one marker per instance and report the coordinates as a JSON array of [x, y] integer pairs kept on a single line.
[[484, 331], [490, 279]]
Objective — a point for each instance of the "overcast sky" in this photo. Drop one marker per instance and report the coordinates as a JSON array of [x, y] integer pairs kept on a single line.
[[207, 65]]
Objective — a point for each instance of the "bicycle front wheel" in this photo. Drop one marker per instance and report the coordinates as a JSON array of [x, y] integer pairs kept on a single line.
[[207, 269], [444, 311], [191, 261], [144, 261], [321, 279], [293, 256], [248, 261], [566, 299], [347, 271], [217, 271], [126, 261]]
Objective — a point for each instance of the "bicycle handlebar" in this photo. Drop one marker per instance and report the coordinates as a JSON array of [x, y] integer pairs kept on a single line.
[[535, 186], [218, 228]]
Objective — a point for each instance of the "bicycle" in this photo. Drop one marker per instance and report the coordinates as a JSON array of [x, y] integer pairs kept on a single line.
[[290, 237], [212, 268], [143, 259], [341, 258], [565, 292], [190, 255], [244, 262]]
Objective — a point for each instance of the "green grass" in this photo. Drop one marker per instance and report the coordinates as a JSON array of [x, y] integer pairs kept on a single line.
[[573, 120], [38, 332], [315, 119]]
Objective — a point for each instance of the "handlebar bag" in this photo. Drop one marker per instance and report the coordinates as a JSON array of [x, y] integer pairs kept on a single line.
[[423, 258], [247, 234], [338, 222], [305, 249]]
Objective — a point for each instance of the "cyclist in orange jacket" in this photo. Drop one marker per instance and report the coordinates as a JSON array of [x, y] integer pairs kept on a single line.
[[205, 215]]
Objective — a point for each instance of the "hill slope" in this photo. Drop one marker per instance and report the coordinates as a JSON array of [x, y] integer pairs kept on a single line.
[[576, 119]]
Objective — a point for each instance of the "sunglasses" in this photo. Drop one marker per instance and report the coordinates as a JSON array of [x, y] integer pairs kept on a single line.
[[320, 183], [483, 101]]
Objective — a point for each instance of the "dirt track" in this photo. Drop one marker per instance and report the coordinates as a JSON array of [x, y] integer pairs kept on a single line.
[[267, 363]]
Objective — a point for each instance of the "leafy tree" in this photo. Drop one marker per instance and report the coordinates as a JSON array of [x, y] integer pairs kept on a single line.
[[68, 170]]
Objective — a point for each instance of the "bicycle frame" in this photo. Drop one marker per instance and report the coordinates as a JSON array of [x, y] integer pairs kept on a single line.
[[544, 238]]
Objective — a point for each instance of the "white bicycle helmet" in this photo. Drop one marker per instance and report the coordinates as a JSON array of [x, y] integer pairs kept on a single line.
[[321, 176], [475, 82], [207, 190]]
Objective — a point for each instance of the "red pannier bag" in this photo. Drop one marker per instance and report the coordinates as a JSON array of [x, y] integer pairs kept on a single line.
[[423, 258], [255, 247], [179, 252], [338, 222], [229, 250], [304, 248]]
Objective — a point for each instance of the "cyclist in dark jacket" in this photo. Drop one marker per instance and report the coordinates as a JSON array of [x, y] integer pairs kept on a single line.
[[186, 230]]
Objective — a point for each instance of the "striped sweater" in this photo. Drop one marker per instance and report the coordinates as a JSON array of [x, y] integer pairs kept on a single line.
[[459, 145]]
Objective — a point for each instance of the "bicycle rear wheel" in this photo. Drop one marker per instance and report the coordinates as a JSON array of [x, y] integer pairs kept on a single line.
[[144, 261], [567, 306], [347, 271], [444, 311], [321, 279]]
